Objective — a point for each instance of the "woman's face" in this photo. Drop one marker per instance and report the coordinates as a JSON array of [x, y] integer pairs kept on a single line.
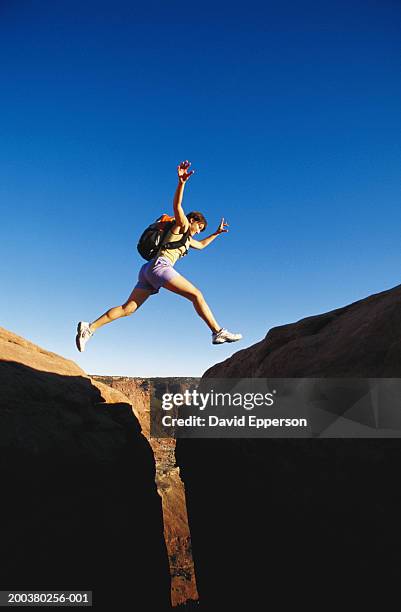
[[196, 227]]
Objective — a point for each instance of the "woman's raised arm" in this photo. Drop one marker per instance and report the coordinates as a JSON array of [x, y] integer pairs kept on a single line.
[[183, 176]]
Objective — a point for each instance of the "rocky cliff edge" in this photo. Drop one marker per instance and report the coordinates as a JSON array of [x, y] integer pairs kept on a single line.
[[80, 508]]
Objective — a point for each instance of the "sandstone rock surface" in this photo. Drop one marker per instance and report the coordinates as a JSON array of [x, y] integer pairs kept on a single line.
[[80, 509], [296, 523], [168, 481], [360, 339]]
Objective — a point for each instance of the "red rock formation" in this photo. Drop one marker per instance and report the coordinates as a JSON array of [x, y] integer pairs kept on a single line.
[[169, 485], [361, 339], [297, 523], [79, 507]]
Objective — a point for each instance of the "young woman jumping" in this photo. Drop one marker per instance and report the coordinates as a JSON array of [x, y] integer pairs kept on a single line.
[[160, 272]]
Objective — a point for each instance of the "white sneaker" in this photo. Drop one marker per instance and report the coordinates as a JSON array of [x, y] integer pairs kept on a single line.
[[225, 336], [83, 335]]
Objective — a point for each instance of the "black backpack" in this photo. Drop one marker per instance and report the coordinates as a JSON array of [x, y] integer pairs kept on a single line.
[[153, 236]]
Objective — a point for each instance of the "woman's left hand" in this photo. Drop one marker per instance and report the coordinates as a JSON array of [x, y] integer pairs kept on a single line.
[[184, 172], [221, 227]]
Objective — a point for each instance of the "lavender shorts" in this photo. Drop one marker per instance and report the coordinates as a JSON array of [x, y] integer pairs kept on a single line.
[[153, 274]]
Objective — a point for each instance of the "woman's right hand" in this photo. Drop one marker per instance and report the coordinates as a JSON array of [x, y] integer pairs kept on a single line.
[[182, 171]]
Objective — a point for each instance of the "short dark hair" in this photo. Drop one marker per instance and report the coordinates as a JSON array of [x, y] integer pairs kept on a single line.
[[197, 216]]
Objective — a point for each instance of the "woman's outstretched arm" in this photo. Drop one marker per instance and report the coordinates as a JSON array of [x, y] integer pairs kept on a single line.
[[183, 176], [201, 244]]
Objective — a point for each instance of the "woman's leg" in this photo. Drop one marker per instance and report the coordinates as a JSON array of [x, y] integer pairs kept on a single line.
[[137, 297], [179, 284]]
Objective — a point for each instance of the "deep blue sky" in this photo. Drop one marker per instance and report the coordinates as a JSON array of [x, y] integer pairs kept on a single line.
[[290, 114]]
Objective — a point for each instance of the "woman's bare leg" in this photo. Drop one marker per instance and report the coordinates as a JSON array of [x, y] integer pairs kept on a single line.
[[179, 284], [137, 297]]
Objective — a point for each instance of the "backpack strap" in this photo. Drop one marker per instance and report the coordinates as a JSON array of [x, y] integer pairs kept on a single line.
[[176, 244]]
